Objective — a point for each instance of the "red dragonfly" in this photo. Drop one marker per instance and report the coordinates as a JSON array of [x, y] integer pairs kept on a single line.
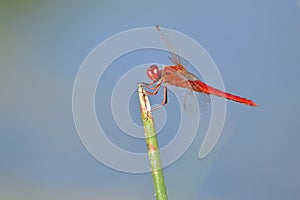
[[178, 76]]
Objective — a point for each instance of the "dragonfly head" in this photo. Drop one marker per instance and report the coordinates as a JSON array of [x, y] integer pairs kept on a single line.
[[153, 73]]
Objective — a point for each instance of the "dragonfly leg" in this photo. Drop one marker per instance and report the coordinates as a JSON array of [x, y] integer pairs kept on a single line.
[[165, 100], [155, 89], [148, 85]]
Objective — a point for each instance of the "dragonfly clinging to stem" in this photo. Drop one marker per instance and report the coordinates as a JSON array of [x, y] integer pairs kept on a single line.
[[177, 75]]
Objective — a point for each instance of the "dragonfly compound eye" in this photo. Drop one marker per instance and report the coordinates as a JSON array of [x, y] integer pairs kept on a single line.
[[153, 73]]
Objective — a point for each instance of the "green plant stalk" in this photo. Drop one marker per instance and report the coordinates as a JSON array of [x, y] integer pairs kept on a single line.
[[152, 145]]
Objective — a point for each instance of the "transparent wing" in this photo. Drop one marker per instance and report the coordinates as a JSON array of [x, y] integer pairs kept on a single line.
[[170, 43], [194, 103]]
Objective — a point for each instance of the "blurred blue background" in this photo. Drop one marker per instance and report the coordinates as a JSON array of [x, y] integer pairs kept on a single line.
[[256, 46]]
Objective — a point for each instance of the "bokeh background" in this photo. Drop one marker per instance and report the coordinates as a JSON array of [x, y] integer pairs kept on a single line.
[[256, 46]]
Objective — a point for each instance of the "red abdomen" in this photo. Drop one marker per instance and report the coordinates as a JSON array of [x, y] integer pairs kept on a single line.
[[199, 86]]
